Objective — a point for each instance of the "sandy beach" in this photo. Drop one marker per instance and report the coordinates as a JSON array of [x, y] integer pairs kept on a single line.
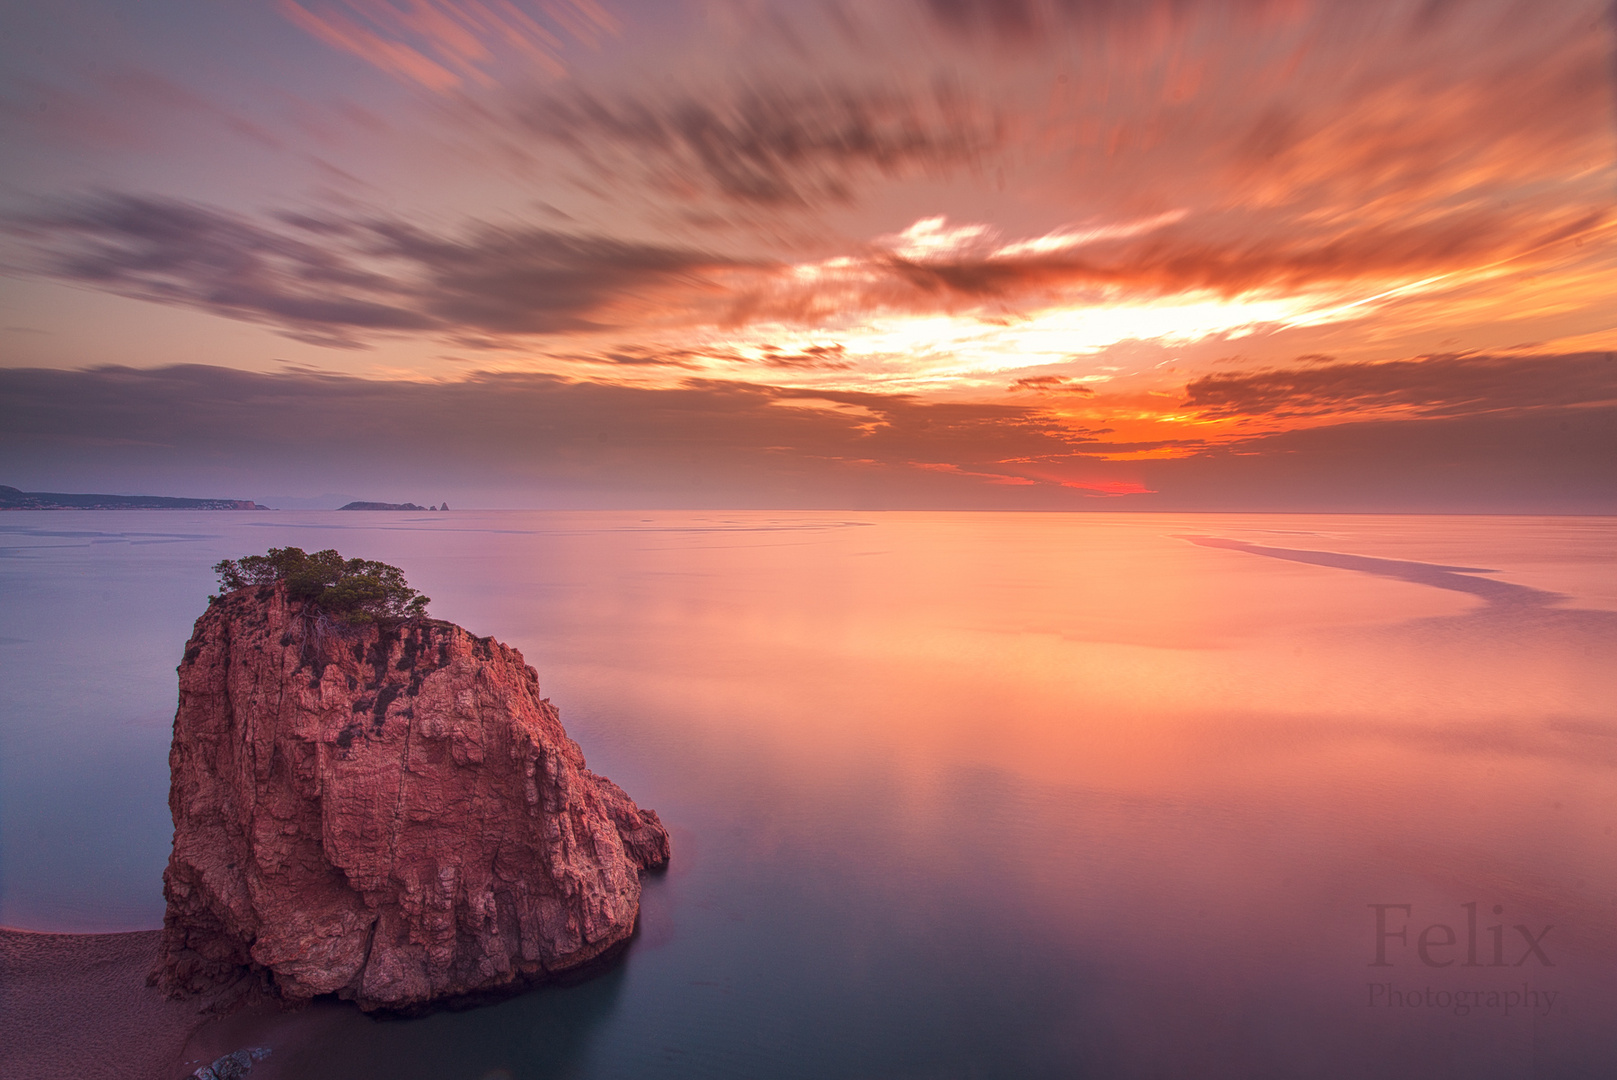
[[77, 1006]]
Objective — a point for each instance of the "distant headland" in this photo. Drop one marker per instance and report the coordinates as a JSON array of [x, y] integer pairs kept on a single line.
[[390, 506], [12, 499]]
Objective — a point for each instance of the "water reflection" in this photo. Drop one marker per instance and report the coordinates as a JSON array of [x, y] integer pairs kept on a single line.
[[953, 795], [546, 1032]]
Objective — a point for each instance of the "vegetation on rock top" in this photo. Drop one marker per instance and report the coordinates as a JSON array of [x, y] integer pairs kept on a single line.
[[353, 590]]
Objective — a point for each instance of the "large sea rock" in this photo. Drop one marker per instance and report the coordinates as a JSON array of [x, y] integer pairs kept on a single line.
[[389, 813]]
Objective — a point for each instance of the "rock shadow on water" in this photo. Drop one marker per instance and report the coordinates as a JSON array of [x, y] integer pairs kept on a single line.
[[542, 1030]]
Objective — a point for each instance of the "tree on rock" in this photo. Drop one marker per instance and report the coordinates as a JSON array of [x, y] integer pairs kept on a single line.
[[353, 590]]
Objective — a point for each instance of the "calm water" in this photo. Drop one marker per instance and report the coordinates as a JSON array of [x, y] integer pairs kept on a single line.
[[952, 795]]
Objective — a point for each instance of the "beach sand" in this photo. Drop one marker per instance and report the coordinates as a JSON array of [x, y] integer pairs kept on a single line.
[[77, 1006]]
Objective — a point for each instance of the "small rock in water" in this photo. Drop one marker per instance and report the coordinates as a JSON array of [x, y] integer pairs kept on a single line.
[[232, 1066]]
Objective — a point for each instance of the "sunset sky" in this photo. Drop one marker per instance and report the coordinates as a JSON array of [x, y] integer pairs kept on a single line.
[[999, 254]]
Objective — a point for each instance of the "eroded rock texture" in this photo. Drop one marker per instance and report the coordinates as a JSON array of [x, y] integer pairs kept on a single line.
[[388, 813]]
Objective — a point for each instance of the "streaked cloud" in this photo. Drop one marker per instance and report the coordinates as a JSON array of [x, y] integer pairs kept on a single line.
[[762, 145], [445, 44], [340, 281], [1427, 386], [1030, 22]]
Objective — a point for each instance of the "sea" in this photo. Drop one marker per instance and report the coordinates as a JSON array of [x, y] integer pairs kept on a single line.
[[952, 795]]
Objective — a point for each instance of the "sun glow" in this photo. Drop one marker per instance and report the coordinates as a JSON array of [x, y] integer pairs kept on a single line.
[[896, 326], [943, 308], [911, 351]]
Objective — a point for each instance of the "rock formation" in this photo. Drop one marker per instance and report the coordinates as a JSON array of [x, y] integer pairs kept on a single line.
[[387, 812], [382, 506]]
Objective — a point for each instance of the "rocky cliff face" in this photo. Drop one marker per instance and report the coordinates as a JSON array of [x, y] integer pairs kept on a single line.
[[390, 813]]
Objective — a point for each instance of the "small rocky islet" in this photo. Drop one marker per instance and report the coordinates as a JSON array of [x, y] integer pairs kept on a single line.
[[377, 805]]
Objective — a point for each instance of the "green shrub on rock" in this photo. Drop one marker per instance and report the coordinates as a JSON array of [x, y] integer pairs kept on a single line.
[[353, 590]]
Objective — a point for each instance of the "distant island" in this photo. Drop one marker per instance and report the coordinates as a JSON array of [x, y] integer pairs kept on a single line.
[[390, 506], [12, 499]]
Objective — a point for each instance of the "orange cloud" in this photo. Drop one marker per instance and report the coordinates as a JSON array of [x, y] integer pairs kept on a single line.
[[1108, 487], [394, 57], [1423, 386], [955, 470]]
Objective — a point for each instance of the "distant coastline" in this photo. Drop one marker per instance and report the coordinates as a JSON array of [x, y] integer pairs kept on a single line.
[[13, 499]]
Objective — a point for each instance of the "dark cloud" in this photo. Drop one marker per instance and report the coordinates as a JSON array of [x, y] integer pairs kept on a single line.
[[812, 358], [768, 146], [1052, 384], [180, 253], [1028, 22], [640, 356], [526, 440], [1006, 18], [511, 439], [1550, 460], [338, 280], [1183, 258], [1429, 386]]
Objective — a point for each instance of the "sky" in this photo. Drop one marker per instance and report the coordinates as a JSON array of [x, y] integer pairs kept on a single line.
[[917, 254]]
